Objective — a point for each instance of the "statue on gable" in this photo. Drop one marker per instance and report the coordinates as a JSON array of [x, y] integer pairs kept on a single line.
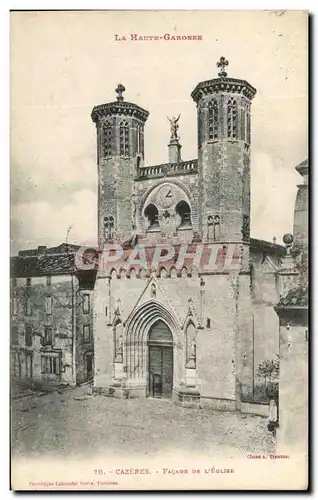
[[120, 343], [192, 356], [153, 290], [174, 127], [192, 350]]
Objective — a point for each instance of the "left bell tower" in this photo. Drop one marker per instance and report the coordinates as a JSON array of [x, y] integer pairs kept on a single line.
[[120, 151]]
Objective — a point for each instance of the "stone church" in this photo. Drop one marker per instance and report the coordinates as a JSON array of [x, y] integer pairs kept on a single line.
[[192, 333], [183, 304]]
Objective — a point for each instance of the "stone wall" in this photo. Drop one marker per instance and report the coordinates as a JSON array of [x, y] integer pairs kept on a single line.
[[292, 434], [265, 293], [216, 346], [116, 196]]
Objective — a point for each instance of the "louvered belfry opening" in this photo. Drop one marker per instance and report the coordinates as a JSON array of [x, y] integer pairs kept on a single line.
[[160, 356]]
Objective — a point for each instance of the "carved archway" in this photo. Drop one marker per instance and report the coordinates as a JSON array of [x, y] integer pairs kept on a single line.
[[154, 187], [136, 336]]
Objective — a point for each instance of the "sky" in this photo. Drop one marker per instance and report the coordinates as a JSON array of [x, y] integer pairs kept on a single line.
[[65, 63]]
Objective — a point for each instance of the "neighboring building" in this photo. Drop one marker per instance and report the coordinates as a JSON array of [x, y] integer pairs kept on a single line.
[[292, 309], [196, 336], [51, 317]]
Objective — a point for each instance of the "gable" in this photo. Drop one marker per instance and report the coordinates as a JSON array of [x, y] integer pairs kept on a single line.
[[153, 291], [268, 266]]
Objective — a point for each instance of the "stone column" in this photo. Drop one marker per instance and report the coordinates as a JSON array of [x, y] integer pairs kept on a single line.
[[174, 151]]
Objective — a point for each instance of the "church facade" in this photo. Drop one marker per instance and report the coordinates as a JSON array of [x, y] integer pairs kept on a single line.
[[184, 303]]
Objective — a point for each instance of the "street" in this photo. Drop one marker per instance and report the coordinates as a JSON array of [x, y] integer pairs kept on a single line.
[[72, 422]]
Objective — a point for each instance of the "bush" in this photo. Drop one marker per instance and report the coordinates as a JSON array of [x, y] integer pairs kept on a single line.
[[268, 370]]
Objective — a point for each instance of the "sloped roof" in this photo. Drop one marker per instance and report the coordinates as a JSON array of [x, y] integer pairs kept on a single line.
[[60, 249], [55, 260], [46, 264], [266, 246]]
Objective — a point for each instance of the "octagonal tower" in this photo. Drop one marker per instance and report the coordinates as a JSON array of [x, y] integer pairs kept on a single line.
[[120, 150], [224, 144]]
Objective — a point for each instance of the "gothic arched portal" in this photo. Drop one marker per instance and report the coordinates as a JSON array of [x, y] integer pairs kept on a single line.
[[151, 333]]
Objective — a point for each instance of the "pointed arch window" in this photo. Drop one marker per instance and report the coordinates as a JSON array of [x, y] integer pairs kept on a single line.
[[248, 127], [107, 139], [152, 214], [108, 227], [232, 119], [140, 139], [247, 124], [142, 147], [243, 124], [213, 119], [124, 138], [184, 212]]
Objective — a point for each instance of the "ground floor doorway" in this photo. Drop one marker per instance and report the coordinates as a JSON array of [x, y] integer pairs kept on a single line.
[[89, 367], [160, 361]]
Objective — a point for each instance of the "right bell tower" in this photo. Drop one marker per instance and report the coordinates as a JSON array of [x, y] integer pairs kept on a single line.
[[224, 147]]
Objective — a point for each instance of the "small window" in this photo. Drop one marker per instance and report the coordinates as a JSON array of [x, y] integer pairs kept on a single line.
[[86, 303], [86, 333], [28, 306], [108, 227], [28, 282], [48, 335], [48, 305], [14, 306], [208, 323], [13, 283], [28, 336], [48, 280], [14, 334], [50, 364]]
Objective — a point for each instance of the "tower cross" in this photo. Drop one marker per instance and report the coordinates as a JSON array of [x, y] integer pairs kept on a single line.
[[222, 63], [120, 89]]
